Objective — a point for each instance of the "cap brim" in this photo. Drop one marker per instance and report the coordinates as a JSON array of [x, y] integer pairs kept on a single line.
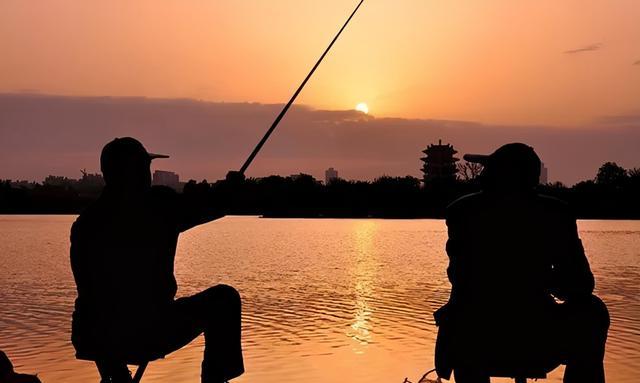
[[482, 159], [155, 155]]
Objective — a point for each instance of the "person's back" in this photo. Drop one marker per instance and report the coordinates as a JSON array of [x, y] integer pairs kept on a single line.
[[511, 252], [122, 255]]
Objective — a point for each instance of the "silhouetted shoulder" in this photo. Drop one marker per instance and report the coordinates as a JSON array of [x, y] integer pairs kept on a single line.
[[553, 202], [165, 201], [555, 205], [465, 203], [89, 214], [160, 191], [467, 199], [75, 229]]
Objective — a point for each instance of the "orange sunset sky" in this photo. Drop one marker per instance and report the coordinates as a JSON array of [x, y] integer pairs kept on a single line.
[[561, 75], [492, 61]]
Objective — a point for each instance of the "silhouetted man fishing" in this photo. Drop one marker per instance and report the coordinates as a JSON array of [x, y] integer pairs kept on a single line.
[[122, 256], [511, 251]]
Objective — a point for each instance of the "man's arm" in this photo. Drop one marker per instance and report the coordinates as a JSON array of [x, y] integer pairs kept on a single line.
[[571, 275], [197, 204], [457, 251], [79, 260]]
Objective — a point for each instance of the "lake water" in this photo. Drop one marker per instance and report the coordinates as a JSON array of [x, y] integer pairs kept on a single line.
[[323, 300]]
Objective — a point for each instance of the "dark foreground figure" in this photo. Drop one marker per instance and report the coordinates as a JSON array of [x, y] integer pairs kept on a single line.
[[122, 256], [8, 375], [511, 252]]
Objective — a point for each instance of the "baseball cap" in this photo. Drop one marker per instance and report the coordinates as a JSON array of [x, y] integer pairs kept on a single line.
[[125, 151], [513, 160]]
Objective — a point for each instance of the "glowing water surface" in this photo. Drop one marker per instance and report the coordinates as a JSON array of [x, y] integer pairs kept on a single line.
[[324, 300]]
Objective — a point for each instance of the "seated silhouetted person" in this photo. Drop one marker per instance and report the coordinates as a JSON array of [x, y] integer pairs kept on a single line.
[[521, 300], [122, 256], [7, 375]]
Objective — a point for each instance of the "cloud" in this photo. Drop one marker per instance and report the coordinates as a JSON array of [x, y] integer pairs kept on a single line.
[[587, 48], [630, 120], [41, 135]]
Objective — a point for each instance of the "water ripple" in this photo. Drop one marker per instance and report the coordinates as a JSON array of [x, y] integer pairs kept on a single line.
[[323, 300]]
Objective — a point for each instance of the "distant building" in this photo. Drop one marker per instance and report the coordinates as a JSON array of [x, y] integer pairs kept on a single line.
[[330, 174], [89, 185], [439, 163], [166, 178], [544, 174]]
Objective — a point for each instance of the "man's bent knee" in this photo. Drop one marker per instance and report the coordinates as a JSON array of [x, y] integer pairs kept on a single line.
[[596, 310], [587, 325], [224, 293], [600, 309]]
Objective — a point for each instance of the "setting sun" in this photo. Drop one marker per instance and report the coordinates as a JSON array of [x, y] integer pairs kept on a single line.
[[362, 107]]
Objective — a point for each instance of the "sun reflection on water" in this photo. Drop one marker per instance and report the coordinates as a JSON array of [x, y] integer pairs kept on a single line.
[[323, 300], [364, 276]]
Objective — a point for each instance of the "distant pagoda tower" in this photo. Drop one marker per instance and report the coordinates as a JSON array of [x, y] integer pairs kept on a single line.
[[439, 163]]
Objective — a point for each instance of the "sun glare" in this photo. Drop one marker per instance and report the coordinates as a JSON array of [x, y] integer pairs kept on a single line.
[[362, 107]]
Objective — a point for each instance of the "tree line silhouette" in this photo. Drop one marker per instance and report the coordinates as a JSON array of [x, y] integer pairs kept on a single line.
[[612, 194]]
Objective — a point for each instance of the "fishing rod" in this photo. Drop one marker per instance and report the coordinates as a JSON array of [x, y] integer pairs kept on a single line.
[[293, 98]]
